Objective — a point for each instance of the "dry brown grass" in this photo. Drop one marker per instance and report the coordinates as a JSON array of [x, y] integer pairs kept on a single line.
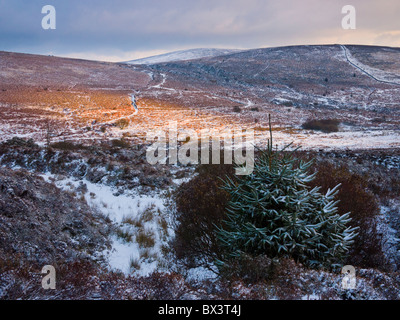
[[145, 238]]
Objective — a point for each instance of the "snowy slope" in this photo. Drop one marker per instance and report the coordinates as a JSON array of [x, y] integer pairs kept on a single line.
[[183, 55]]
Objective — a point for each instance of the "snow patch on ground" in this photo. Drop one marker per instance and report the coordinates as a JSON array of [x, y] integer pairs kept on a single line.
[[143, 227], [200, 274], [335, 141]]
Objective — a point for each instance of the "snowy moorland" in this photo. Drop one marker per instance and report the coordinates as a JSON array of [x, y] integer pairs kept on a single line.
[[77, 190]]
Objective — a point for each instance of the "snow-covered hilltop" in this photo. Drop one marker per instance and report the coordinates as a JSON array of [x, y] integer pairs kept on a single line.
[[184, 55]]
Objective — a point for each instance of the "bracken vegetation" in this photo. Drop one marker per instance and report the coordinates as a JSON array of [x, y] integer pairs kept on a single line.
[[356, 198]]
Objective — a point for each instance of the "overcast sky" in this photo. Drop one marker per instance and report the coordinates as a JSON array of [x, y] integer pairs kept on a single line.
[[121, 30]]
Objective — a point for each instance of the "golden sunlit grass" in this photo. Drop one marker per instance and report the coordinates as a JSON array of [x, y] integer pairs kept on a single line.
[[158, 114], [83, 107], [95, 109]]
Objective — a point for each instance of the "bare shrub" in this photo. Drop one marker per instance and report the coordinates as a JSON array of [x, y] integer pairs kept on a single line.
[[200, 206]]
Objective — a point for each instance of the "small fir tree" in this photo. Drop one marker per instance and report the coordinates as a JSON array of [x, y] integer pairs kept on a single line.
[[274, 212]]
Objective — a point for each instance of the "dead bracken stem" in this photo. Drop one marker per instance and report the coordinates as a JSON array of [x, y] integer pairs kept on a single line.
[[270, 137]]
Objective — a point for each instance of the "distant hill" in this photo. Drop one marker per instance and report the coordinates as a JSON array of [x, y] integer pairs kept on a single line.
[[183, 55]]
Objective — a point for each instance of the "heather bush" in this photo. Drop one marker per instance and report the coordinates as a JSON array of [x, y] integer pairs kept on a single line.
[[237, 109], [250, 269], [67, 146], [356, 198], [327, 125]]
